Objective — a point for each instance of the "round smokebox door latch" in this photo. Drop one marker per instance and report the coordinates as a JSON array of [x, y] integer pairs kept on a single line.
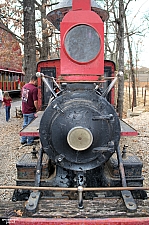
[[79, 138]]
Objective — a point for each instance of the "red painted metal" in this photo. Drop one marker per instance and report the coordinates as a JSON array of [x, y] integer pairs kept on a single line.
[[50, 63], [80, 221], [4, 86], [129, 133], [12, 86], [71, 20], [111, 64], [81, 5], [29, 133], [80, 78], [46, 64], [9, 86], [15, 85], [127, 130]]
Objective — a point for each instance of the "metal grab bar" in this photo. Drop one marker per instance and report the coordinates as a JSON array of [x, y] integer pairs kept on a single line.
[[75, 189]]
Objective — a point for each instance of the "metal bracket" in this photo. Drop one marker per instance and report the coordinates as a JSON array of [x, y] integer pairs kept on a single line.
[[80, 197], [127, 196], [109, 148], [129, 201], [33, 200], [103, 117], [34, 197], [80, 183]]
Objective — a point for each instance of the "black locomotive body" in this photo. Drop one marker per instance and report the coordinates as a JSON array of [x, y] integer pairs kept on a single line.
[[79, 135], [79, 129]]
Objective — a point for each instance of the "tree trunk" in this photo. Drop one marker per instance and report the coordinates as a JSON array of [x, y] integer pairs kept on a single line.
[[45, 39], [29, 39], [121, 59], [134, 101]]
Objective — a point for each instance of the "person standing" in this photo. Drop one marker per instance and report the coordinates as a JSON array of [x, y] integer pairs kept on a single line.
[[7, 104], [29, 106]]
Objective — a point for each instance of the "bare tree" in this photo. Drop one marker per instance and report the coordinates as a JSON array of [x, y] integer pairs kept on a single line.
[[132, 72], [29, 38], [23, 25], [46, 30], [115, 35], [121, 58]]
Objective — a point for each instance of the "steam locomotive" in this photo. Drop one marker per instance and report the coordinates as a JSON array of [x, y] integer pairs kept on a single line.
[[78, 126]]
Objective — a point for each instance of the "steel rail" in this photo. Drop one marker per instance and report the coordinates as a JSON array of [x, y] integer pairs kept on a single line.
[[74, 189]]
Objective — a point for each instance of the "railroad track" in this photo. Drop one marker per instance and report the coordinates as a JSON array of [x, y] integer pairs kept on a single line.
[[64, 208]]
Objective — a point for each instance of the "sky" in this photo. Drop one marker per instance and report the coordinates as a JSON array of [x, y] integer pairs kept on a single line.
[[138, 9]]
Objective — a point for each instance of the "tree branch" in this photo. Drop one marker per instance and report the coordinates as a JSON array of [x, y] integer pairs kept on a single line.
[[19, 39]]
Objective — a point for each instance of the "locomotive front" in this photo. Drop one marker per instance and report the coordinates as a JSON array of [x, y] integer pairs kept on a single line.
[[79, 130]]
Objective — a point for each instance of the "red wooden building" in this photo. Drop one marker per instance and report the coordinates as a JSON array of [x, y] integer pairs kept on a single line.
[[11, 75]]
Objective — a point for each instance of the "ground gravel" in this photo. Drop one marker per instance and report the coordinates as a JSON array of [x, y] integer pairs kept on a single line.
[[139, 145], [11, 149]]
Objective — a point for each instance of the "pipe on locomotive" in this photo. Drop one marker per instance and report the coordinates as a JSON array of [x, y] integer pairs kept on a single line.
[[105, 93], [43, 77], [45, 188]]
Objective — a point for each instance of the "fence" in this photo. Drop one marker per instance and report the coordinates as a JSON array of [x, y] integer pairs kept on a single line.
[[142, 97]]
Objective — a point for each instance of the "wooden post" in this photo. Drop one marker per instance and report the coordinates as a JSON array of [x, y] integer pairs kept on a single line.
[[145, 97], [137, 90]]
